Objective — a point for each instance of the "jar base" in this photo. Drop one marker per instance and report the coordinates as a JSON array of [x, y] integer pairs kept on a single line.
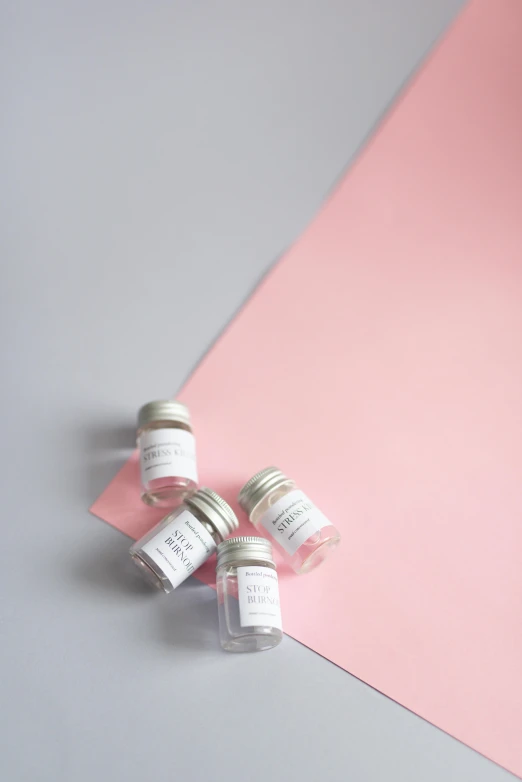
[[251, 643], [319, 554], [168, 493], [148, 573]]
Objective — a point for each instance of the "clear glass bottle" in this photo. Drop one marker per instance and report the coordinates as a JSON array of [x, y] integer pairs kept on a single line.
[[184, 539], [248, 595], [167, 453], [280, 511]]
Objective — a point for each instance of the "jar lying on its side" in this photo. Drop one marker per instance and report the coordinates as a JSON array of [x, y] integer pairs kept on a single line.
[[248, 595], [167, 453], [184, 539], [277, 508]]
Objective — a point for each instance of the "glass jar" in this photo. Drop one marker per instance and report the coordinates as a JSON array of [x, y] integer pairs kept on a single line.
[[248, 595], [184, 539], [167, 453], [279, 510]]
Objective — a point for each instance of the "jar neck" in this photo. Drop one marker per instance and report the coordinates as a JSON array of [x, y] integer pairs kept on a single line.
[[206, 523], [229, 566], [272, 496], [149, 427]]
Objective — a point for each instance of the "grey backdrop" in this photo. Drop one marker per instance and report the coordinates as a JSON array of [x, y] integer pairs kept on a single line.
[[157, 157]]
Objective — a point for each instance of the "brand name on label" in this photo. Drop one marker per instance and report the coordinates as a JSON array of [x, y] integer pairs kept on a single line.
[[260, 574]]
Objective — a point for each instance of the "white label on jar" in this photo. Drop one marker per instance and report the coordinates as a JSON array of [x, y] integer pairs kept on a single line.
[[180, 547], [167, 453], [258, 595], [292, 520]]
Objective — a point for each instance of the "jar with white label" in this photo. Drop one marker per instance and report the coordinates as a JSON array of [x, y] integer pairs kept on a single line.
[[248, 595], [282, 512], [184, 539], [167, 453]]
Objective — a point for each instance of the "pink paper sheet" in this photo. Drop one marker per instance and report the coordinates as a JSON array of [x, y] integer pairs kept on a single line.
[[380, 365]]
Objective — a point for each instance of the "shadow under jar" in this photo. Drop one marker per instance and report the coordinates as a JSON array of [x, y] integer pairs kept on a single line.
[[184, 540], [248, 595], [167, 453], [282, 512]]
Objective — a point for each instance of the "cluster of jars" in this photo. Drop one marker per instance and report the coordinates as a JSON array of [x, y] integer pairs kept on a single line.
[[202, 524]]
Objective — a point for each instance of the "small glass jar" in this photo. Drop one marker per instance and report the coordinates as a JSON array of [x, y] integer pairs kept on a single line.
[[279, 510], [184, 539], [248, 595], [167, 453]]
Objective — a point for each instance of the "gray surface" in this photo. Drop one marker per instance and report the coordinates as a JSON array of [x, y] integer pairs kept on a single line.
[[151, 152]]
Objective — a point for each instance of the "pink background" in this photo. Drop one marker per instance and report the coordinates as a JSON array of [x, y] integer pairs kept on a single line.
[[380, 365]]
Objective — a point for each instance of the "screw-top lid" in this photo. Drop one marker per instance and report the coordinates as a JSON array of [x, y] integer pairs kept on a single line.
[[163, 410], [258, 487], [217, 511], [240, 549]]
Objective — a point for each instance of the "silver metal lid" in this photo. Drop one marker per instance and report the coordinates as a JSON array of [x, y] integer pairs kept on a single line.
[[258, 487], [240, 549], [217, 511], [163, 410]]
